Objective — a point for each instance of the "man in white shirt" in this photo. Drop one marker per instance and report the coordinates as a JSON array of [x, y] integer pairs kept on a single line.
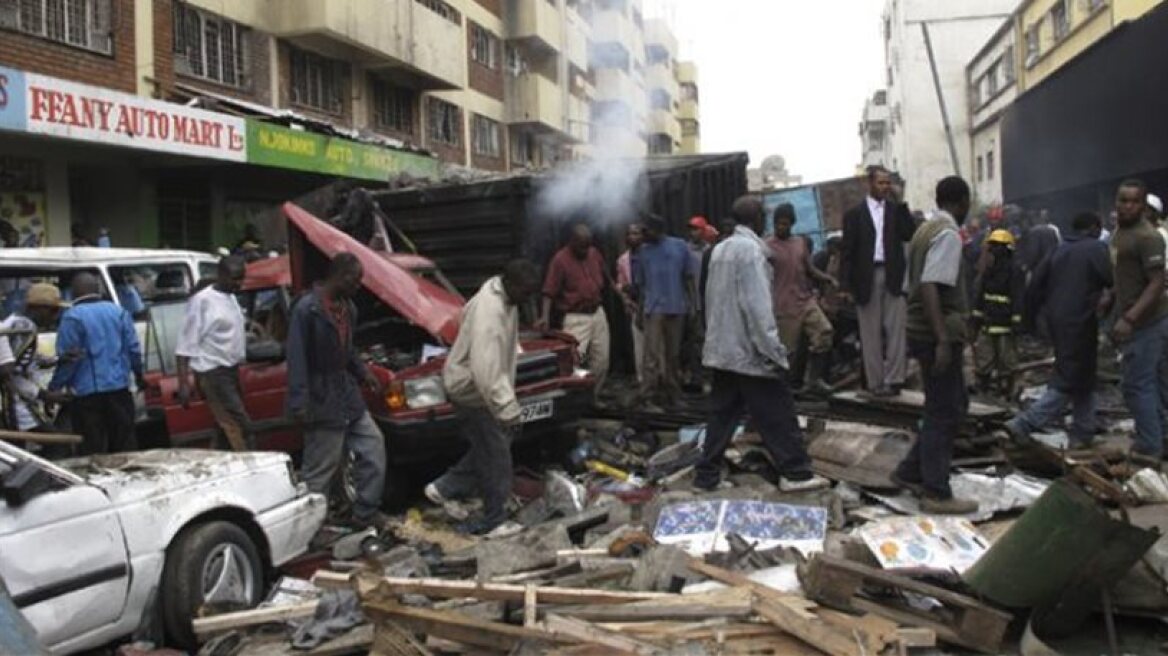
[[213, 344]]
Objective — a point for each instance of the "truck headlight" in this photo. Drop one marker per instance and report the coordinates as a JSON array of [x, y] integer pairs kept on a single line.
[[424, 392]]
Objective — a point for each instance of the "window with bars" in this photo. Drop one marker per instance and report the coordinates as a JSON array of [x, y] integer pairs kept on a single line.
[[442, 9], [315, 81], [444, 122], [1033, 44], [487, 140], [990, 165], [1008, 65], [992, 80], [82, 23], [209, 47], [484, 47], [1060, 18], [393, 107]]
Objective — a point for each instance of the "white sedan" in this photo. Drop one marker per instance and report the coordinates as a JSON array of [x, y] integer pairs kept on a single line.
[[92, 549]]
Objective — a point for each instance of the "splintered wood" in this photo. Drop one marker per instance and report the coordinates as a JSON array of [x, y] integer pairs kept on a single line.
[[539, 617]]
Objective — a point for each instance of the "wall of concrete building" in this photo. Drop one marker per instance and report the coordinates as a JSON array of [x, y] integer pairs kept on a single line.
[[999, 55], [918, 142]]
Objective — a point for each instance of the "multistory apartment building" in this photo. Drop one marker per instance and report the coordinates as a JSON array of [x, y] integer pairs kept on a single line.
[[620, 104], [688, 113], [992, 83], [927, 46], [284, 96], [663, 130], [874, 127]]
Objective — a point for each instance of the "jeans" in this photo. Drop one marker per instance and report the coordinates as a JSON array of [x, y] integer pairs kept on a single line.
[[1141, 385], [946, 402], [486, 468], [1051, 406], [105, 422], [324, 452], [224, 396], [772, 408]]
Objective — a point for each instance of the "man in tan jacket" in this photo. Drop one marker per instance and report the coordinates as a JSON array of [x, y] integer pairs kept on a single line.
[[479, 377]]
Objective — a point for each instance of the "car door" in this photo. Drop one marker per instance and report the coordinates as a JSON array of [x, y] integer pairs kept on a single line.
[[62, 554]]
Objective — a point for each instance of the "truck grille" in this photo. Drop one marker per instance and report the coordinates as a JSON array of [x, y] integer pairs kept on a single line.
[[536, 368]]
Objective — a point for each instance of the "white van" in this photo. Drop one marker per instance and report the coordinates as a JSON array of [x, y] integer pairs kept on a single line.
[[134, 278]]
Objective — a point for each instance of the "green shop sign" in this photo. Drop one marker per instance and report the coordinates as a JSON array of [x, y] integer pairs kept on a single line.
[[273, 145]]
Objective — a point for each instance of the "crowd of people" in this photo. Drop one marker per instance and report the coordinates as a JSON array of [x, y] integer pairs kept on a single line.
[[743, 319]]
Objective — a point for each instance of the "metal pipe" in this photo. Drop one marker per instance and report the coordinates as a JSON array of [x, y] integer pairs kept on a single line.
[[941, 99]]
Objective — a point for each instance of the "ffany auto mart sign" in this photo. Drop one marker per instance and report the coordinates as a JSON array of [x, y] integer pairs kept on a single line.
[[38, 104]]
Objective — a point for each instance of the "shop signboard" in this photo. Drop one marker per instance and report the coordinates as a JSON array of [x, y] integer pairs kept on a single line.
[[12, 111], [274, 145], [80, 111]]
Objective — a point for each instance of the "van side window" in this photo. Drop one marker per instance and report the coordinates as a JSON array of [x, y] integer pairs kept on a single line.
[[141, 285]]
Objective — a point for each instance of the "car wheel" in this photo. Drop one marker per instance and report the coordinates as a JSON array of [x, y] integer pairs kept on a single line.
[[208, 565]]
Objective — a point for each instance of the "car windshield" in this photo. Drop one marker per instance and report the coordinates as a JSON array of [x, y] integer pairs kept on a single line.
[[15, 282]]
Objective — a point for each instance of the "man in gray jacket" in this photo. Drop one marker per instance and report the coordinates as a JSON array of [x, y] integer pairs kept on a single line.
[[748, 361], [479, 377]]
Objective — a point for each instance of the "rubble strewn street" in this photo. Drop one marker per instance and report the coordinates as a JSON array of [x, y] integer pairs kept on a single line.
[[572, 327]]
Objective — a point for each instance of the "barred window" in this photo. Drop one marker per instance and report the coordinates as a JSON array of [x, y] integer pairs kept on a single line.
[[315, 81], [82, 23], [442, 9], [487, 137], [209, 46], [393, 106], [445, 122], [484, 47], [1060, 17]]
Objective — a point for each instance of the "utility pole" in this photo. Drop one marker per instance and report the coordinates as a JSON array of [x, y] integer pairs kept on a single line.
[[941, 99]]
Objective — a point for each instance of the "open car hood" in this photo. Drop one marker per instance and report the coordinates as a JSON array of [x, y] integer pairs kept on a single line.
[[421, 302]]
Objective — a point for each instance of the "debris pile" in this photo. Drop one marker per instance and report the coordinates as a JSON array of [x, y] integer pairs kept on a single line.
[[615, 553]]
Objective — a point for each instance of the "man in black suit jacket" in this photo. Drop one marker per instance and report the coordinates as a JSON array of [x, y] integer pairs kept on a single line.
[[872, 272]]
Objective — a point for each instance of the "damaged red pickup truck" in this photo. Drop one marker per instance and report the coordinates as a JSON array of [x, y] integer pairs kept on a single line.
[[407, 321]]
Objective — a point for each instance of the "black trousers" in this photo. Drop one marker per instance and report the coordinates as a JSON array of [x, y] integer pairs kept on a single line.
[[946, 402], [105, 422], [772, 408]]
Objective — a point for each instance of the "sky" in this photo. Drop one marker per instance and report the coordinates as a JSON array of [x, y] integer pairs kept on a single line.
[[782, 77]]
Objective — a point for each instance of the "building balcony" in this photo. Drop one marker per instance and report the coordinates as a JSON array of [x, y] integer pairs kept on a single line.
[[577, 35], [660, 77], [687, 72], [533, 99], [664, 122], [688, 110], [609, 26], [579, 118], [613, 84], [538, 22], [658, 35], [378, 34]]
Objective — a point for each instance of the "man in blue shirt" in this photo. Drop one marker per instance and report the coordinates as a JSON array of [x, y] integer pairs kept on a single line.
[[663, 276], [97, 351]]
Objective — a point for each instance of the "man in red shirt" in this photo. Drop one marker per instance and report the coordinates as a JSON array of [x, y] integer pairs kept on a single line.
[[575, 282], [796, 310]]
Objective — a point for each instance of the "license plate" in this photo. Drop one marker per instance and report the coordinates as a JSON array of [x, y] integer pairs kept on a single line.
[[530, 412]]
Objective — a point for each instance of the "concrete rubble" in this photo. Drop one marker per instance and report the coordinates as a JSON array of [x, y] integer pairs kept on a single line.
[[614, 553]]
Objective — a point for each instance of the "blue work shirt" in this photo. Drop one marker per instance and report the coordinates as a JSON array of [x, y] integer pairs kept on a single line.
[[97, 348], [661, 272]]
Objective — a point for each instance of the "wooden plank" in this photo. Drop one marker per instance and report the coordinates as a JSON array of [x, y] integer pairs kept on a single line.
[[590, 578], [530, 605], [875, 631], [589, 633], [40, 438], [255, 617], [814, 632], [904, 583], [940, 631], [911, 636], [796, 603], [446, 589], [459, 628], [728, 602]]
